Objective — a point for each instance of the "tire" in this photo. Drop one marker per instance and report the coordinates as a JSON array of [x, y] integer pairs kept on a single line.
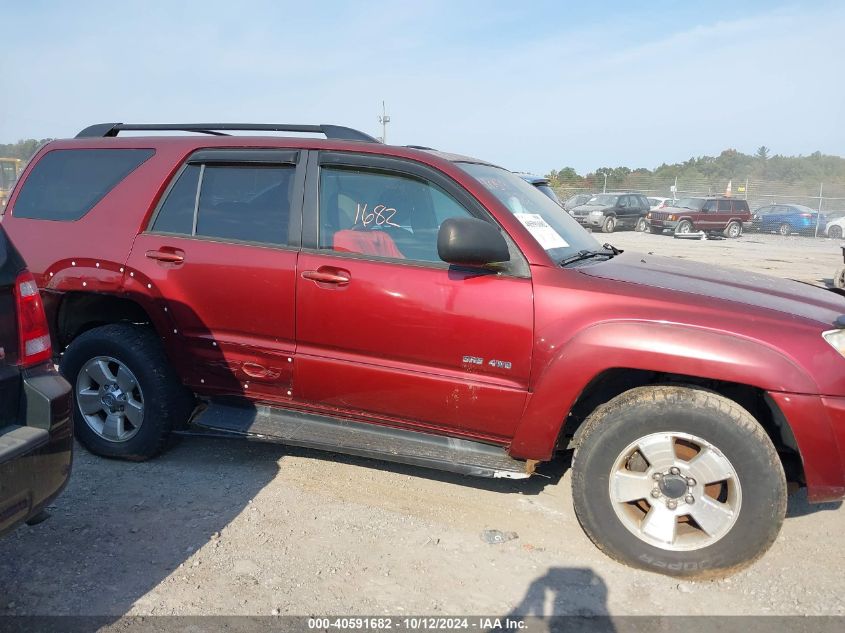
[[609, 224], [733, 229], [839, 278], [784, 229], [655, 230], [835, 233], [642, 225], [754, 492], [684, 226], [125, 370]]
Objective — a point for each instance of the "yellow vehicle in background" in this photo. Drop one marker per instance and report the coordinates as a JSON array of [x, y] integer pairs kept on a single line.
[[10, 169]]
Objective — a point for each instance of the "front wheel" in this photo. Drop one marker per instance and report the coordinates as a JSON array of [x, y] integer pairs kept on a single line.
[[835, 233], [609, 224], [684, 226], [733, 229], [127, 398], [678, 480]]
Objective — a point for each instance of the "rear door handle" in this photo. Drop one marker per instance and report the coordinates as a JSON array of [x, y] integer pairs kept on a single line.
[[165, 256], [324, 277]]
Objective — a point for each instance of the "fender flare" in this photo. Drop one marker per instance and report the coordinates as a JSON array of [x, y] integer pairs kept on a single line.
[[643, 345]]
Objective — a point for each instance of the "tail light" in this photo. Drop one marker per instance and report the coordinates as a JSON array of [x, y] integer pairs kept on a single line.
[[806, 215], [33, 332]]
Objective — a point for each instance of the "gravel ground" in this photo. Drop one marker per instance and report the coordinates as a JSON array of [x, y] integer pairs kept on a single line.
[[231, 527]]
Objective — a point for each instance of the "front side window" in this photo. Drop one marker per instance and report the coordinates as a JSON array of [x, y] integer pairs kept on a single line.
[[66, 183], [383, 214], [245, 203], [709, 206]]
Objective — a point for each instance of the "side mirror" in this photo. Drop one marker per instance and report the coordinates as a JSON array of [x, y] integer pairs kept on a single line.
[[471, 242]]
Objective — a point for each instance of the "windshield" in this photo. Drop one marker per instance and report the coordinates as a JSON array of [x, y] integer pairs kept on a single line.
[[690, 203], [556, 231], [602, 200]]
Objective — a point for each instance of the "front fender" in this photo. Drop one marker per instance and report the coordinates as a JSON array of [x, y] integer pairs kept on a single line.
[[659, 347]]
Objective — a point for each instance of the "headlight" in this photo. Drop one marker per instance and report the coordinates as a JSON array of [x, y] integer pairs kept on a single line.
[[836, 338], [648, 216], [671, 217], [596, 213]]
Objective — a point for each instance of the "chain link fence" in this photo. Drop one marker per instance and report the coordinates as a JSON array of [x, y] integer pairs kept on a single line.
[[827, 198]]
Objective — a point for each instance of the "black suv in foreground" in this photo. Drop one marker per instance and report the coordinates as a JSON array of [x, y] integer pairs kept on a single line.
[[611, 211], [36, 438]]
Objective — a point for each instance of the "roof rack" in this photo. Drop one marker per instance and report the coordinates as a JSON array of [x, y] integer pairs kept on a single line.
[[337, 132]]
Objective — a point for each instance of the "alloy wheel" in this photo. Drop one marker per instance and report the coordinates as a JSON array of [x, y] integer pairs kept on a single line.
[[675, 491], [110, 399]]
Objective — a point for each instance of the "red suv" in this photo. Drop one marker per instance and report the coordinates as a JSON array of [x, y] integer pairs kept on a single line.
[[712, 214], [430, 309]]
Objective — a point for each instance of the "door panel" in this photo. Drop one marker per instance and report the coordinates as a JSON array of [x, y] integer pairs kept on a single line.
[[232, 307], [415, 343]]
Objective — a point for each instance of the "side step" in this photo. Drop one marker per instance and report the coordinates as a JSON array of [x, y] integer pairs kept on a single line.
[[366, 440]]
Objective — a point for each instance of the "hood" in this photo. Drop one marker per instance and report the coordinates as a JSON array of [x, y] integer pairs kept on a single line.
[[586, 208], [749, 289]]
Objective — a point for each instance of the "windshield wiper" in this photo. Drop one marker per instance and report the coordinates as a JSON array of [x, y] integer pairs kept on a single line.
[[588, 254]]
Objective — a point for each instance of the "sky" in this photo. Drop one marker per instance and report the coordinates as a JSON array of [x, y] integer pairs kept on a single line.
[[531, 86]]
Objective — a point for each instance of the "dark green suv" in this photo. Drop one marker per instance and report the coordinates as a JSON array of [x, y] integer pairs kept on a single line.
[[612, 211]]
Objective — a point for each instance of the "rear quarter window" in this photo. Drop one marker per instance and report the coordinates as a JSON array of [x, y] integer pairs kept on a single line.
[[67, 183]]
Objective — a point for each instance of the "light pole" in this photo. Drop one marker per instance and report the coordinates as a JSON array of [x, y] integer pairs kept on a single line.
[[604, 190], [384, 119]]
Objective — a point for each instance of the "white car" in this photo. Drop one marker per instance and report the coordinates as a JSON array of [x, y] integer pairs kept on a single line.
[[658, 203], [835, 228]]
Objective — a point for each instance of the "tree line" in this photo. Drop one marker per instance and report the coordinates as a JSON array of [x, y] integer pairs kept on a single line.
[[729, 165]]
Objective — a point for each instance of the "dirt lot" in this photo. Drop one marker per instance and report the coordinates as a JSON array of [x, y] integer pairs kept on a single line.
[[228, 527]]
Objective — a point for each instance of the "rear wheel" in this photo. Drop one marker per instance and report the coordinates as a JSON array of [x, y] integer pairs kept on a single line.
[[835, 233], [642, 225], [684, 226], [733, 229], [127, 397], [609, 224], [678, 480], [784, 229]]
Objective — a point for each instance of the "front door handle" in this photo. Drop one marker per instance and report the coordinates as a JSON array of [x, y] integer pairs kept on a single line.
[[324, 277], [165, 256]]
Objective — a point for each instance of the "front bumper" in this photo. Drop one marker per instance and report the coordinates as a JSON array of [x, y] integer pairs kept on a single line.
[[663, 224], [590, 220], [818, 424], [36, 453]]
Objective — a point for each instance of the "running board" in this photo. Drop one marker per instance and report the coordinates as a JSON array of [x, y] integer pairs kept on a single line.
[[366, 440]]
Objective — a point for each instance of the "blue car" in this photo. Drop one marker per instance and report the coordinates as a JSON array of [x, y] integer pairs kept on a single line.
[[787, 218]]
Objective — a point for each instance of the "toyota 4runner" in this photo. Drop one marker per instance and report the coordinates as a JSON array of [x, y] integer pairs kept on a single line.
[[431, 309]]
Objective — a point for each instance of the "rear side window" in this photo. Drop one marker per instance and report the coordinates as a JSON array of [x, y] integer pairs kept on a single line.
[[67, 183], [740, 205], [246, 203], [724, 205]]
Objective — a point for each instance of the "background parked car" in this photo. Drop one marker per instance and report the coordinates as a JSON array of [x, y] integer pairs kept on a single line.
[[36, 437], [542, 184], [713, 214], [577, 200], [656, 203], [836, 228], [611, 211], [786, 219]]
